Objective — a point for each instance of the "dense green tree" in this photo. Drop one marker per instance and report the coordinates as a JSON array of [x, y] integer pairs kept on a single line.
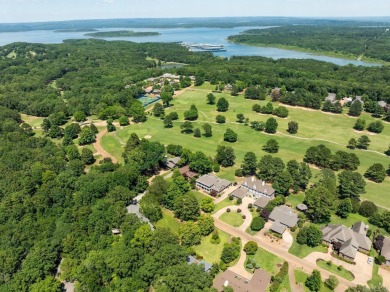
[[49, 284], [271, 125], [133, 142], [110, 126], [137, 111], [355, 109], [272, 146], [173, 115], [310, 235], [360, 124], [72, 152], [206, 224], [79, 116], [158, 110], [186, 207], [292, 127], [376, 127], [249, 164], [207, 205], [344, 208], [269, 168], [222, 105], [257, 223], [351, 184], [211, 98], [46, 125], [314, 282], [207, 130], [230, 136], [251, 247], [87, 136], [363, 142], [282, 183], [376, 173], [168, 122], [231, 251], [352, 143], [220, 119], [191, 114], [189, 234], [367, 209], [281, 112], [240, 118], [387, 152], [225, 156], [166, 97], [320, 202], [256, 108], [197, 133], [93, 128], [200, 163], [186, 127], [300, 174], [331, 282]]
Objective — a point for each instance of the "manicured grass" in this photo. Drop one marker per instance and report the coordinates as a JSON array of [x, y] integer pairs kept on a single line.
[[376, 278], [302, 251], [232, 218], [33, 121], [112, 146], [315, 127], [267, 261], [169, 221], [212, 252], [198, 195], [295, 199], [226, 202], [348, 222], [333, 269], [300, 278]]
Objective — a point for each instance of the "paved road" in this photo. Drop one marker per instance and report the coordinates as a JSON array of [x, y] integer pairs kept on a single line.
[[293, 260]]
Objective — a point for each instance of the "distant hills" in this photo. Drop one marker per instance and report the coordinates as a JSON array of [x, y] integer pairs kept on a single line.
[[220, 22]]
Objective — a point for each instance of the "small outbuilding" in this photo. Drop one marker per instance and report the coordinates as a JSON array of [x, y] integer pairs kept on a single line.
[[302, 207]]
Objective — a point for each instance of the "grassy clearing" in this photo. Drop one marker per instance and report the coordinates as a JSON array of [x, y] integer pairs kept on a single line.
[[198, 195], [112, 146], [302, 251], [33, 121], [232, 218], [376, 278], [225, 203], [315, 127], [300, 279], [344, 273], [212, 252], [169, 221], [267, 261]]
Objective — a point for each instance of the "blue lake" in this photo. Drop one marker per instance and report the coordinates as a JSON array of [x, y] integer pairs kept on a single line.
[[216, 36]]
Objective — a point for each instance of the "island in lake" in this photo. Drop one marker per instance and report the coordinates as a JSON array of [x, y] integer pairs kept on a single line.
[[122, 33], [76, 30]]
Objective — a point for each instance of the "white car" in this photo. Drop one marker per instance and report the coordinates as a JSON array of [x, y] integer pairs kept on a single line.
[[370, 260]]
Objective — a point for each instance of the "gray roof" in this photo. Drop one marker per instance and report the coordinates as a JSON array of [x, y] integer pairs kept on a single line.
[[258, 283], [214, 182], [331, 97], [239, 193], [301, 207], [284, 215], [386, 248], [278, 228], [359, 98], [172, 162], [261, 202], [382, 103], [258, 185], [360, 227], [351, 239], [192, 260]]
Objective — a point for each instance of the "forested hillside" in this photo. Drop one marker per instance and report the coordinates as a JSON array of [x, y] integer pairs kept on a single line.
[[372, 42]]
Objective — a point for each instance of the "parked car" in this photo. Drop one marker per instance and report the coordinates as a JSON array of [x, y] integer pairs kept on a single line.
[[370, 260]]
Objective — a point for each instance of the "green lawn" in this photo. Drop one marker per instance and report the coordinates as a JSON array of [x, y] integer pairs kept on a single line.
[[169, 221], [300, 278], [226, 202], [267, 261], [302, 251], [33, 121], [376, 278], [198, 195], [346, 274], [232, 218], [212, 252], [295, 199], [314, 128]]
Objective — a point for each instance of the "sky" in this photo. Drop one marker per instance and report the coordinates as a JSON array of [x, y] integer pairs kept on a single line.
[[55, 10]]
